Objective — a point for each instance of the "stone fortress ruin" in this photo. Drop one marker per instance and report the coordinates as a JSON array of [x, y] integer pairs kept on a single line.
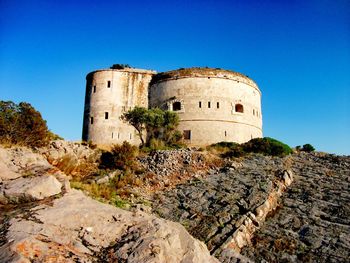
[[213, 105]]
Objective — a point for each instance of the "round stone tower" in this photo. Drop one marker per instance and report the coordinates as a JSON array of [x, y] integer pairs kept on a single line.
[[110, 93], [214, 105]]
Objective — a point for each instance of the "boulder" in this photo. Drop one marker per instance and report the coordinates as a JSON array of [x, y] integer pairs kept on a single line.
[[29, 188], [78, 228]]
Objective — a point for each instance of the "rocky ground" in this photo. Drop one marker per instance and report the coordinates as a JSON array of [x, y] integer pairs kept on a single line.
[[211, 207], [312, 223], [43, 220], [252, 209], [309, 222]]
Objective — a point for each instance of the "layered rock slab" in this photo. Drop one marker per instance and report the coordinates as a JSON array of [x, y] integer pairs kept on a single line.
[[78, 228], [216, 208], [312, 223]]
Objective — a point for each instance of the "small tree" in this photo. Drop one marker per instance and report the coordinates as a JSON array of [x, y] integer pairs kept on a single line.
[[23, 125], [159, 124], [307, 148], [137, 117]]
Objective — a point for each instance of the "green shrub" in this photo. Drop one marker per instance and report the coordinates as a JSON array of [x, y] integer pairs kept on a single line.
[[307, 148], [121, 157], [234, 151], [267, 146], [21, 124], [159, 124]]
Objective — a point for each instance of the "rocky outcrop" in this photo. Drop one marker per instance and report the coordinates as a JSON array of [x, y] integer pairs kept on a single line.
[[252, 220], [38, 225], [312, 222], [27, 176], [226, 207], [29, 189], [77, 228]]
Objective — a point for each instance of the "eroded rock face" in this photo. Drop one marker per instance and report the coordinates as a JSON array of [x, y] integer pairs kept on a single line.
[[312, 223], [215, 209], [76, 227], [29, 189]]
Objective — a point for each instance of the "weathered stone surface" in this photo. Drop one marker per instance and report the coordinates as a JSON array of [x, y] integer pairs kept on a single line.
[[26, 189], [214, 209], [77, 228], [312, 223], [58, 149]]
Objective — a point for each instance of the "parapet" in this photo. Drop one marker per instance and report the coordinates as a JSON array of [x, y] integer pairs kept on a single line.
[[202, 72], [131, 70]]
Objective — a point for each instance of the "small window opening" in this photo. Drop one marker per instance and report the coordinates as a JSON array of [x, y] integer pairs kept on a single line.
[[108, 84], [106, 115], [118, 135], [130, 136], [253, 112], [112, 135], [187, 134], [94, 88], [225, 133], [208, 104], [217, 105], [91, 120], [200, 104], [239, 108], [176, 106]]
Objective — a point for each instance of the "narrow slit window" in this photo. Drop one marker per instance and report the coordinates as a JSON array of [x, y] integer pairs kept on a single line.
[[112, 135], [200, 104], [208, 104], [91, 120], [217, 105], [225, 133], [106, 115], [253, 112], [94, 88], [130, 136], [108, 84], [118, 135], [187, 134]]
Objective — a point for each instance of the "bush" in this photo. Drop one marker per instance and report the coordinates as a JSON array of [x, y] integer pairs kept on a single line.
[[159, 125], [21, 124], [307, 148], [267, 146], [121, 157]]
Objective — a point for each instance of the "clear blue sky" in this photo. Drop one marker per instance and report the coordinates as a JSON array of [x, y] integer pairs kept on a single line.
[[298, 52]]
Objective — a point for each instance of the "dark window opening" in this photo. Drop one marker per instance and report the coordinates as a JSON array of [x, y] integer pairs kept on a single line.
[[130, 136], [200, 104], [239, 108], [187, 134], [217, 105], [106, 115], [225, 133], [253, 112], [118, 135], [176, 106], [94, 88], [112, 135], [91, 120], [108, 84], [208, 104]]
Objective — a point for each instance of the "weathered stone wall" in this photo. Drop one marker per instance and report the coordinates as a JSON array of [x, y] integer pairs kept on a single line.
[[128, 88], [218, 121]]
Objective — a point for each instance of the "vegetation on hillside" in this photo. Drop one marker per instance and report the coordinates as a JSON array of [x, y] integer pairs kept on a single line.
[[266, 146], [160, 126], [21, 124], [306, 148]]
